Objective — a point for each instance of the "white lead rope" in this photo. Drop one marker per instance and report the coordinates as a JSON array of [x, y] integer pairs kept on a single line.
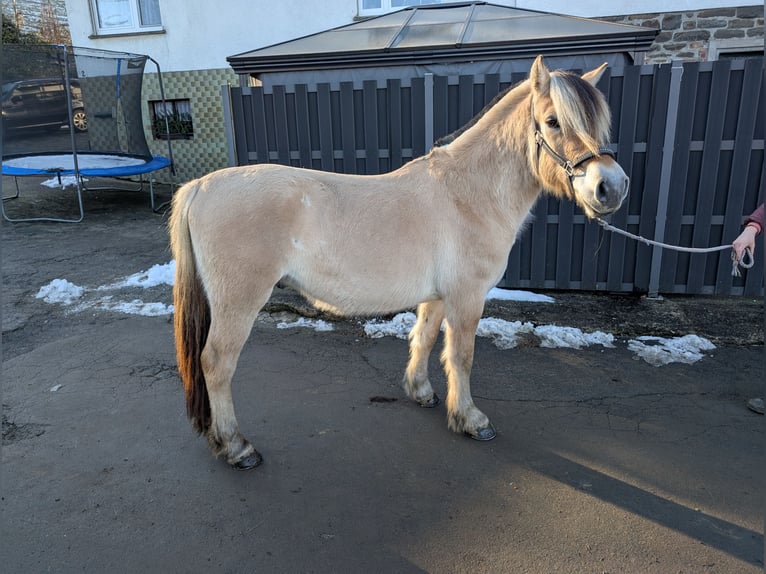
[[746, 261]]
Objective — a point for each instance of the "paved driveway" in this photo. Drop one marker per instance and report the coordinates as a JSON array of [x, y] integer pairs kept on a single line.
[[603, 462]]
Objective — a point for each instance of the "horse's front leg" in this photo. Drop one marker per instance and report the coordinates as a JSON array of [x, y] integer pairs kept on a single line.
[[219, 361], [459, 340], [422, 339]]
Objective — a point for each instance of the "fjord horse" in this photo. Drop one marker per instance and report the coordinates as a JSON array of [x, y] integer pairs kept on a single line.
[[434, 233]]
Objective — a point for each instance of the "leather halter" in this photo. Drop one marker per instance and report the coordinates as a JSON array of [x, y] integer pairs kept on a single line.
[[567, 165]]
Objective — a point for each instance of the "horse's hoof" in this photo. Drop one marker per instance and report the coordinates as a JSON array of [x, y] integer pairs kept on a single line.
[[248, 462], [430, 403], [486, 433]]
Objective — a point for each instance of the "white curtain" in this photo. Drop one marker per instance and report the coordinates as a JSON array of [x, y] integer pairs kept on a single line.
[[150, 12]]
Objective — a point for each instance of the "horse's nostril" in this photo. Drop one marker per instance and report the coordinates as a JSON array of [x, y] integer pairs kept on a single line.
[[602, 193]]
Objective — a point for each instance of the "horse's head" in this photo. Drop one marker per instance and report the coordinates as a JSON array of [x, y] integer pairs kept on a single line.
[[571, 131]]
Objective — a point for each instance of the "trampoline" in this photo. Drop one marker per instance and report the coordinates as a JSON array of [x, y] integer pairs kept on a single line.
[[70, 114]]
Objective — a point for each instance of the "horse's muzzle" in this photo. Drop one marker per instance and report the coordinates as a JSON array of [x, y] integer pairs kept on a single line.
[[603, 187], [610, 194]]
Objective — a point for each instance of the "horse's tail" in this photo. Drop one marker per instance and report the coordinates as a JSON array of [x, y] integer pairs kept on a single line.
[[191, 309]]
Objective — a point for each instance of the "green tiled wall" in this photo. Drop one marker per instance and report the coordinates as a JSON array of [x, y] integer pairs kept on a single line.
[[206, 151]]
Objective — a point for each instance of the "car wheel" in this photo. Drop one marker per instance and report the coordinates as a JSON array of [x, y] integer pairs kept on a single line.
[[80, 120]]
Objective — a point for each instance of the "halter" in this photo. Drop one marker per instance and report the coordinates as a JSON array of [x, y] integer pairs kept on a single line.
[[567, 165]]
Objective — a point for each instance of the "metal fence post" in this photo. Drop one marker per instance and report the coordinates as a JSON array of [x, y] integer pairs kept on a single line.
[[668, 149], [228, 125], [429, 110]]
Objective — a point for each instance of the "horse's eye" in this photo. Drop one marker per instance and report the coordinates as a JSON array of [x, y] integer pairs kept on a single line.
[[552, 122]]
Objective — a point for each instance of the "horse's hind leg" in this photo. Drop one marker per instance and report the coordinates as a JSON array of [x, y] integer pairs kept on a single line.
[[422, 339], [229, 329], [459, 341]]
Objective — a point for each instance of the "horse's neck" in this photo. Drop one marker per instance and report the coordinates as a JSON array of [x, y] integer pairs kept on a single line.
[[493, 157]]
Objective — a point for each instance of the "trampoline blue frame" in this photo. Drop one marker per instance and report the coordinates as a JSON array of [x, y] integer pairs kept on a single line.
[[156, 163]]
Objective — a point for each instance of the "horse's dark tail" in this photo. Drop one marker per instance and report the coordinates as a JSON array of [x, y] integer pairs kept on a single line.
[[192, 311]]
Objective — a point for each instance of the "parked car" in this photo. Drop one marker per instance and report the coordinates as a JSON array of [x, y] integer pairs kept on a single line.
[[42, 103]]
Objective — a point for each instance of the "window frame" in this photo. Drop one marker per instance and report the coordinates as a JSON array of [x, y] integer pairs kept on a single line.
[[385, 7], [132, 29], [720, 47], [158, 120]]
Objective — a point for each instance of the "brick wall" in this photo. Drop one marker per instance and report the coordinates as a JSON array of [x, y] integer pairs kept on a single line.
[[698, 35]]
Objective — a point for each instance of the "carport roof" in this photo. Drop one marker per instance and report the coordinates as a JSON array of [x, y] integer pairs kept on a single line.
[[445, 32]]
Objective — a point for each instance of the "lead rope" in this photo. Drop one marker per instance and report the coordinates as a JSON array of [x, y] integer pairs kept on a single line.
[[746, 262]]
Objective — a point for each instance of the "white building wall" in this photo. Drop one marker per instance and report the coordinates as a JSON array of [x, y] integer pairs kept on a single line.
[[199, 35]]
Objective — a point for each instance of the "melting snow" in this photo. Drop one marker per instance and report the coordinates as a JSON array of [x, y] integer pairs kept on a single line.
[[316, 324], [504, 334], [659, 351], [60, 291]]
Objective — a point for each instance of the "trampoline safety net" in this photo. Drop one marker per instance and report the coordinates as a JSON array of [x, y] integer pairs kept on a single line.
[[75, 111], [104, 94]]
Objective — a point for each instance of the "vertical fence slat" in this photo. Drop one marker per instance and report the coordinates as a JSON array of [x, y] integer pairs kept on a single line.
[[628, 119], [348, 139], [302, 124], [441, 107], [565, 228], [538, 238], [281, 126], [419, 119], [394, 91], [663, 113], [370, 91], [491, 87], [711, 155], [465, 99], [324, 109], [678, 176], [240, 126]]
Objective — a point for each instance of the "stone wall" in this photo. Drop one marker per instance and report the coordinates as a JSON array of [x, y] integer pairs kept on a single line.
[[698, 35]]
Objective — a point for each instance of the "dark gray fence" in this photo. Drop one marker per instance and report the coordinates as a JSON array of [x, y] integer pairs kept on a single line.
[[690, 137]]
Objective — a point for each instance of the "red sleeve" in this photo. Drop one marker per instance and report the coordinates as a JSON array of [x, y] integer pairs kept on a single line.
[[756, 217]]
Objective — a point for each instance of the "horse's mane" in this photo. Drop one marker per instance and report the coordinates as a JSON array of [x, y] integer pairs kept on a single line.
[[450, 137], [580, 107]]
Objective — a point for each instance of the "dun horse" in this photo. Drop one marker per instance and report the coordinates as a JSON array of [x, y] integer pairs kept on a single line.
[[435, 234]]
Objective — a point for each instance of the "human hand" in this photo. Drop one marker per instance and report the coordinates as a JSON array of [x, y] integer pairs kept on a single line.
[[745, 240]]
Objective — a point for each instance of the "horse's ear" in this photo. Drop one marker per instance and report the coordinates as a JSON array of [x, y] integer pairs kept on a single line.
[[540, 77], [594, 76]]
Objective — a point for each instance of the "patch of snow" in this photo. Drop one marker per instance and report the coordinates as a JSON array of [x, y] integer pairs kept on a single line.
[[160, 274], [658, 351], [66, 181], [60, 291], [137, 307], [316, 324], [504, 334], [512, 295], [399, 327], [553, 336]]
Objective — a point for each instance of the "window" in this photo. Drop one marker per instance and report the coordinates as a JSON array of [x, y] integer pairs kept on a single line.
[[126, 16], [735, 48], [171, 119], [376, 7]]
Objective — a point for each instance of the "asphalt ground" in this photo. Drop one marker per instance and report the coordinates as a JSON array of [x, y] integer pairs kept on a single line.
[[603, 462]]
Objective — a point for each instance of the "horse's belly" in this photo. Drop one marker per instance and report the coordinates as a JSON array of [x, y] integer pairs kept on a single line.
[[363, 288]]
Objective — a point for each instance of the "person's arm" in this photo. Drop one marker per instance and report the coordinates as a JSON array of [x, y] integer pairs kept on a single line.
[[746, 239]]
